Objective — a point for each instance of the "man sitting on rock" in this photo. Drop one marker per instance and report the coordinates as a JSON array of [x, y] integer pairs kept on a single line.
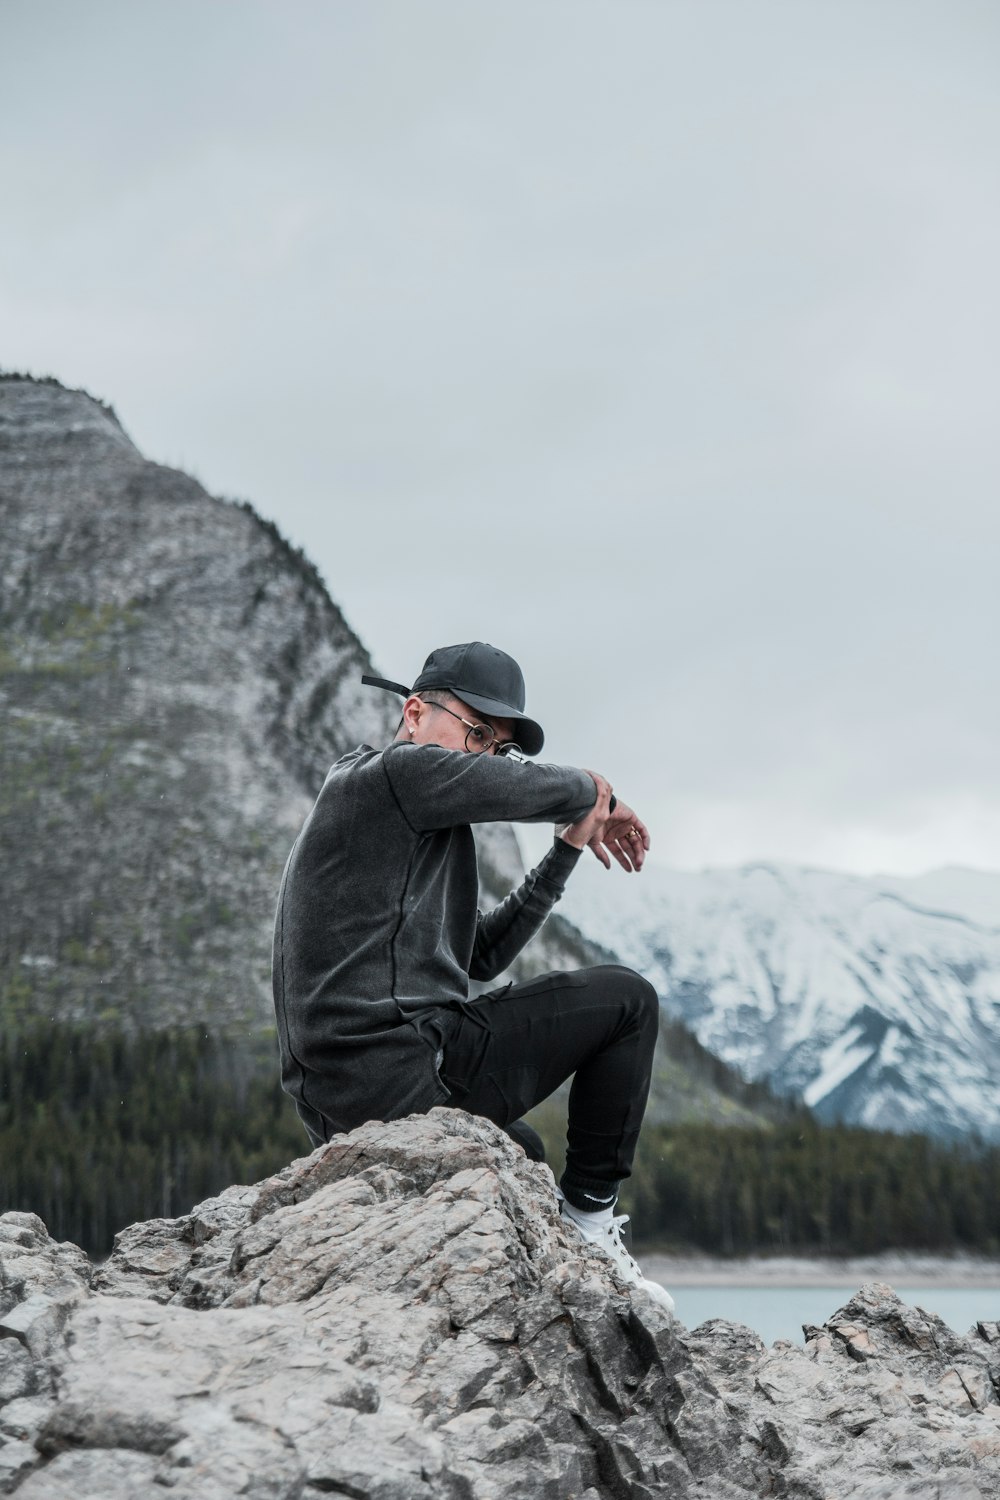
[[378, 934]]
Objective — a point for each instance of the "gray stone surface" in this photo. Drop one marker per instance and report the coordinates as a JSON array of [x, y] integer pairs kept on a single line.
[[400, 1315]]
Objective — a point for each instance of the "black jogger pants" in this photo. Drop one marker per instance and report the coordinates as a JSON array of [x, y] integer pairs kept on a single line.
[[506, 1051]]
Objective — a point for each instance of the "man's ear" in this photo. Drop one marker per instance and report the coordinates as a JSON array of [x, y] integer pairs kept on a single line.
[[414, 710]]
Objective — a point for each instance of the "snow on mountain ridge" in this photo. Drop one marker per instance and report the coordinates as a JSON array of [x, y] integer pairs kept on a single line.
[[857, 992], [971, 896]]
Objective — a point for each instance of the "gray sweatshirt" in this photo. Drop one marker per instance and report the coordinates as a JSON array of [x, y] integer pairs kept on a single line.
[[378, 928]]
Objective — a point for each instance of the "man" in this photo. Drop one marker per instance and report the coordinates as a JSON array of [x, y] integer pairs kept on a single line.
[[378, 933]]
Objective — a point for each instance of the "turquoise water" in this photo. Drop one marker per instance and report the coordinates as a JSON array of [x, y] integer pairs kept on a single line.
[[777, 1312]]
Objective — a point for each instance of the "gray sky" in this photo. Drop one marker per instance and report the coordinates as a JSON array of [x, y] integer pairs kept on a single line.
[[657, 343]]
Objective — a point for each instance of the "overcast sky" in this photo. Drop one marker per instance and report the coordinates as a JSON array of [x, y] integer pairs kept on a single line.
[[657, 343]]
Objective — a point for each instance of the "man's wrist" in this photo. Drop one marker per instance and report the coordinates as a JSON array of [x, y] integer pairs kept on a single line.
[[565, 852], [566, 833]]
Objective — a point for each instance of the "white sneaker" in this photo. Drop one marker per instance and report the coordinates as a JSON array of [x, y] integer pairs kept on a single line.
[[607, 1237]]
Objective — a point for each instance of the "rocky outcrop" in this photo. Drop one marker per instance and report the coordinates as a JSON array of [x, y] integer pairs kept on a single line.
[[401, 1315], [883, 1400]]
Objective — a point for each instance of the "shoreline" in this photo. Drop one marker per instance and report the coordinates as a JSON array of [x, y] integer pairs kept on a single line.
[[897, 1268]]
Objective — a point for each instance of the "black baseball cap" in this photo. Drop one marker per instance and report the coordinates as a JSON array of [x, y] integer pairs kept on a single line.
[[484, 678]]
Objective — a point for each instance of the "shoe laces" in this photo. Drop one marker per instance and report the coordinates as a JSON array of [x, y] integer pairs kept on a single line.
[[614, 1234]]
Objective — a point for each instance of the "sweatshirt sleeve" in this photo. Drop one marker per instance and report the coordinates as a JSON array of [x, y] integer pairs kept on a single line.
[[436, 788], [503, 932]]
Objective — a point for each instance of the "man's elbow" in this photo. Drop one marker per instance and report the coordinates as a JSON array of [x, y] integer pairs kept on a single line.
[[483, 968]]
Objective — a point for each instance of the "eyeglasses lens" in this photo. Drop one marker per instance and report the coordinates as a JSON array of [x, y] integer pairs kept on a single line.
[[479, 738]]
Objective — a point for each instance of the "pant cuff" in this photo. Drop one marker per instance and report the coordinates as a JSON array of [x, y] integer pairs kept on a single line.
[[588, 1194]]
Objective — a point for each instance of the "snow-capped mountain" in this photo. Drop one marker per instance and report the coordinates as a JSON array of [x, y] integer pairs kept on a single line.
[[875, 999]]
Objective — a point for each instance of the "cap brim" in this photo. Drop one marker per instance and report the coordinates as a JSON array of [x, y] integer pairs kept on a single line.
[[527, 732]]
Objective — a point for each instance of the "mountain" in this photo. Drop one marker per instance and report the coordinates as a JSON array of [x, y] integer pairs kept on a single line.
[[876, 1000], [174, 682]]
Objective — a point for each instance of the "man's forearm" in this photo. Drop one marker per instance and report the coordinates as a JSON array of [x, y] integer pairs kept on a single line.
[[438, 788], [503, 932]]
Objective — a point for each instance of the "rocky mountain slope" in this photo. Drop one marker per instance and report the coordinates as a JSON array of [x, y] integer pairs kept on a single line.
[[174, 682], [401, 1316], [876, 1000]]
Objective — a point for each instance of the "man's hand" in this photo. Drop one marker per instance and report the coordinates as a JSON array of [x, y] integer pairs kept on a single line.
[[620, 835]]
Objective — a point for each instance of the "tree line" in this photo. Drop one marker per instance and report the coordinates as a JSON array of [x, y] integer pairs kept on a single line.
[[100, 1127], [799, 1186]]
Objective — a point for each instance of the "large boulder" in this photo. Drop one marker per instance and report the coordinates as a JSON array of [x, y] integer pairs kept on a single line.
[[401, 1316]]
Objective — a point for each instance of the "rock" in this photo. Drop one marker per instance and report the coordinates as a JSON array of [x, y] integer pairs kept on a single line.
[[398, 1315], [401, 1316], [883, 1401]]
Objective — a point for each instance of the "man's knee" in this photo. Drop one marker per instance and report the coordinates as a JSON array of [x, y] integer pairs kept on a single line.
[[646, 1000], [634, 992]]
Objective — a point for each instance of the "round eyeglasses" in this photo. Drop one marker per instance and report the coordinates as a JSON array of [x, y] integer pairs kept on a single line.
[[482, 736]]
